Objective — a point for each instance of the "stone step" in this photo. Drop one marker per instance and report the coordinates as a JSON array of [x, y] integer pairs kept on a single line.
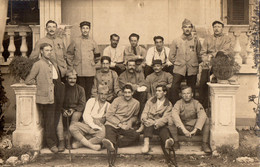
[[155, 150]]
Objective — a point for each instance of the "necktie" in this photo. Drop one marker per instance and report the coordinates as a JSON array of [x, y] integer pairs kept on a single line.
[[134, 49]]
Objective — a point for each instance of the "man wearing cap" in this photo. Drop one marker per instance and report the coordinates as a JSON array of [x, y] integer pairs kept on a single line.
[[106, 77], [158, 52], [158, 77], [136, 80], [93, 122], [214, 43], [59, 51], [49, 96], [82, 54], [73, 106], [116, 53], [184, 54], [135, 51]]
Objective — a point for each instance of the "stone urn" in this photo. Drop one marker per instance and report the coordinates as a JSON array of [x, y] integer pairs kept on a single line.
[[224, 67]]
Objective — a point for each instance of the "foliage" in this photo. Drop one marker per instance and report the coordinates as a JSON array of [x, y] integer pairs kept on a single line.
[[224, 66], [3, 100], [20, 67], [242, 151], [15, 151], [252, 98]]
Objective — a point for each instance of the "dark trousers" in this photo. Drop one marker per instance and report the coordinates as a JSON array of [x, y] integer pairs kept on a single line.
[[162, 131], [204, 89], [205, 131], [141, 97], [86, 83], [120, 137], [176, 84], [50, 121], [149, 70]]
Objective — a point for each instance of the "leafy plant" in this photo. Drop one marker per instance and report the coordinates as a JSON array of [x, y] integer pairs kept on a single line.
[[252, 98], [20, 67]]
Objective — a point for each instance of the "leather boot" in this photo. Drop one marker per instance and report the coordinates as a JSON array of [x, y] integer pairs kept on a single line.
[[205, 147], [61, 146]]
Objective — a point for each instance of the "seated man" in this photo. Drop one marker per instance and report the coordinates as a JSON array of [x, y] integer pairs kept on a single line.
[[120, 116], [157, 77], [155, 118], [107, 77], [73, 106], [158, 52], [189, 118], [116, 53], [93, 122], [136, 80]]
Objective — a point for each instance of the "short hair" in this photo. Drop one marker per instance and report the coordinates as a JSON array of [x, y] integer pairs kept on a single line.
[[134, 35], [185, 87], [128, 86], [158, 37], [43, 45], [105, 58], [164, 88], [114, 35], [51, 21]]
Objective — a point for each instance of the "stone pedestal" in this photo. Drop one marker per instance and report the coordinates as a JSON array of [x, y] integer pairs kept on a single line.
[[223, 115], [28, 123]]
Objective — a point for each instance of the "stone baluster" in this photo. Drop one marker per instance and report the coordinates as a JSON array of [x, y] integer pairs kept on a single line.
[[35, 33], [11, 47], [237, 47], [249, 50], [23, 47]]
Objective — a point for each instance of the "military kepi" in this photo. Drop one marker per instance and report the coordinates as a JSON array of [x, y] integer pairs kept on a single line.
[[157, 61], [186, 22], [84, 23]]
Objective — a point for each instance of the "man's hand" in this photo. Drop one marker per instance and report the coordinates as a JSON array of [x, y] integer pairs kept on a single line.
[[68, 113], [123, 126], [186, 132], [97, 128], [193, 132], [156, 126], [149, 122]]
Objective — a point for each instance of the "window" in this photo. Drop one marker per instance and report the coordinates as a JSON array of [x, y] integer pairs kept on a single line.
[[238, 12]]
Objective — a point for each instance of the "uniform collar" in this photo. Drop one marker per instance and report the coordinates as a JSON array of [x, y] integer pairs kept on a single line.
[[50, 36], [219, 35], [184, 37]]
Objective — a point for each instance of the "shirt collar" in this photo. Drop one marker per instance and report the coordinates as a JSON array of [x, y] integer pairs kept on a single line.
[[184, 37], [50, 36], [166, 101], [218, 35]]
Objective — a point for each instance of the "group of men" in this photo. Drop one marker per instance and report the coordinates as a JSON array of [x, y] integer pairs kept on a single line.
[[134, 91]]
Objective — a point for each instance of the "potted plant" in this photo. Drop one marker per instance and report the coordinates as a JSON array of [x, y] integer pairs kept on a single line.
[[224, 67], [20, 67]]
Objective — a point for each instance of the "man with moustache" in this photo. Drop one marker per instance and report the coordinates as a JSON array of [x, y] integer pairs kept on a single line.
[[116, 53], [73, 106], [106, 77], [158, 52], [59, 51], [214, 43], [184, 54], [46, 76], [82, 55]]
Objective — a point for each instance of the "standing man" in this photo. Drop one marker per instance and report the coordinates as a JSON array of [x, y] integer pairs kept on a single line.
[[106, 77], [214, 43], [82, 55], [59, 51], [73, 106], [120, 117], [135, 51], [93, 122], [136, 80], [116, 53], [158, 77], [189, 118], [184, 54], [158, 52], [46, 76]]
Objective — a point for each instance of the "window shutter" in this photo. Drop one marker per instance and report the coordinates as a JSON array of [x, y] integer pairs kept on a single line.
[[238, 12]]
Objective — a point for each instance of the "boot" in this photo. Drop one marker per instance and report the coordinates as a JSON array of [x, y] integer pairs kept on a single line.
[[205, 147], [54, 149], [169, 143], [145, 148], [88, 144], [61, 146], [140, 129], [108, 144]]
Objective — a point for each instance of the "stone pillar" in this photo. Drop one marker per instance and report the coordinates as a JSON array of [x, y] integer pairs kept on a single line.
[[24, 47], [28, 121], [223, 115], [35, 33]]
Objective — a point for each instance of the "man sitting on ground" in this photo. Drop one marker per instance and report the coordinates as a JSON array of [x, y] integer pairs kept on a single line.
[[189, 118], [155, 118], [93, 122]]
